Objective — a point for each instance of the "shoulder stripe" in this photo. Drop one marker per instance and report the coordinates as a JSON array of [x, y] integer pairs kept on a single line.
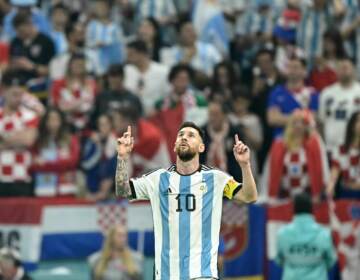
[[205, 167], [172, 168], [151, 171]]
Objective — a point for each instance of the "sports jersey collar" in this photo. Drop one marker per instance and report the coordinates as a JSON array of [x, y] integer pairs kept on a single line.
[[198, 170]]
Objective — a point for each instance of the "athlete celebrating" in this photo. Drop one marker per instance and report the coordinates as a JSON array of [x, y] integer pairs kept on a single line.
[[186, 201]]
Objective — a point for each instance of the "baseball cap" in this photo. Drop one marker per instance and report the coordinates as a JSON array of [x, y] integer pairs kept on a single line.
[[23, 2]]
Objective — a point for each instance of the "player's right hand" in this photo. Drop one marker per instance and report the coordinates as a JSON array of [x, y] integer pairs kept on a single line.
[[125, 144]]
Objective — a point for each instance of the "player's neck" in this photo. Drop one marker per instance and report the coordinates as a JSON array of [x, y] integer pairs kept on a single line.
[[187, 167]]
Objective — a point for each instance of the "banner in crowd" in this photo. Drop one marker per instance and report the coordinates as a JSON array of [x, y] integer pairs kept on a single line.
[[243, 230], [47, 229], [44, 229]]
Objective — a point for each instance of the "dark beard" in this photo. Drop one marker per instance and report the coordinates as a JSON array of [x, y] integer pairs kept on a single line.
[[185, 155]]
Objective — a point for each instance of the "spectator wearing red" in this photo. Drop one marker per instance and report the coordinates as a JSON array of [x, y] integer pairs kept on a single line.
[[297, 162], [150, 150], [324, 72], [346, 163], [55, 157], [75, 95], [182, 104], [18, 132]]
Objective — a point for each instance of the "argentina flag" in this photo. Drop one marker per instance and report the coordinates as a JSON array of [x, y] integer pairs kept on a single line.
[[210, 25]]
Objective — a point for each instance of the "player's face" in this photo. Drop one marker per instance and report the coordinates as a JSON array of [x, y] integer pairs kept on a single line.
[[188, 144]]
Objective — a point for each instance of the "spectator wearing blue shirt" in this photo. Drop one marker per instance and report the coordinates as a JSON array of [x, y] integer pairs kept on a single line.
[[59, 21], [99, 160], [25, 7], [284, 99], [104, 37], [304, 248]]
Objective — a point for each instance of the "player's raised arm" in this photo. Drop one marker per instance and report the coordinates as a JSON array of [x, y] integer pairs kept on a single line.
[[125, 146], [248, 192]]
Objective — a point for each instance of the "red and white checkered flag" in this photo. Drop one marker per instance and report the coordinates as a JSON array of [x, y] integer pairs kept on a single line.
[[110, 214]]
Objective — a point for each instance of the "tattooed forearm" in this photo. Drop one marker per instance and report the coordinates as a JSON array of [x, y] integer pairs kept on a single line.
[[122, 186]]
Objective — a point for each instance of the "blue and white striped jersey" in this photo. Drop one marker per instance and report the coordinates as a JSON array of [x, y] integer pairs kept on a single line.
[[187, 216], [106, 40], [157, 9], [311, 31]]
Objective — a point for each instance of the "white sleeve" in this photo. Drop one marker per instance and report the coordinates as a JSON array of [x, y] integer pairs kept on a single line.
[[143, 187]]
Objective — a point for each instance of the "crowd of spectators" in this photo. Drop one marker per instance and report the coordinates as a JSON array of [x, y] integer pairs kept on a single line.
[[282, 74]]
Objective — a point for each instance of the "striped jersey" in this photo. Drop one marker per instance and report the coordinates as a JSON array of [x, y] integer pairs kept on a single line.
[[187, 216]]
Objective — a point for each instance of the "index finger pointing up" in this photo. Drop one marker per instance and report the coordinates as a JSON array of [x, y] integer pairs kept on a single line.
[[236, 139], [129, 130]]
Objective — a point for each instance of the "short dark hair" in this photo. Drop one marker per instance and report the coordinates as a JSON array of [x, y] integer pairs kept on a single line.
[[21, 19], [193, 125], [116, 70], [267, 51], [302, 204], [12, 77], [59, 6], [242, 91], [138, 45], [129, 112], [302, 60], [175, 70]]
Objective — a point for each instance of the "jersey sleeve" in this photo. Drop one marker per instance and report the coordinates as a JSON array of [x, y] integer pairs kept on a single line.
[[231, 186], [142, 187]]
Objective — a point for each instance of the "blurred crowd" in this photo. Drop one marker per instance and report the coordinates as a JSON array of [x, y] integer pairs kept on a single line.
[[282, 74]]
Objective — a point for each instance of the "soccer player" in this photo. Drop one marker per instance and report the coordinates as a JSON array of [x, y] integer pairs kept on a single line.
[[186, 202]]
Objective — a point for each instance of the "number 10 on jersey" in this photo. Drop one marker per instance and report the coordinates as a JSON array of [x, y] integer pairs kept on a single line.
[[190, 202]]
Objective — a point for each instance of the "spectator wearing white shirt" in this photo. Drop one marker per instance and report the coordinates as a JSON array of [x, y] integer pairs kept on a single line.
[[337, 103], [162, 10], [144, 77], [201, 56], [75, 34]]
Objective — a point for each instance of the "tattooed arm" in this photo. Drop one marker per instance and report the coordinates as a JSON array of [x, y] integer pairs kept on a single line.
[[125, 145], [122, 186]]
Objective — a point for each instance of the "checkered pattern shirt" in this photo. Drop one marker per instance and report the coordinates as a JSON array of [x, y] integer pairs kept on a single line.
[[295, 175], [15, 162], [349, 164]]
